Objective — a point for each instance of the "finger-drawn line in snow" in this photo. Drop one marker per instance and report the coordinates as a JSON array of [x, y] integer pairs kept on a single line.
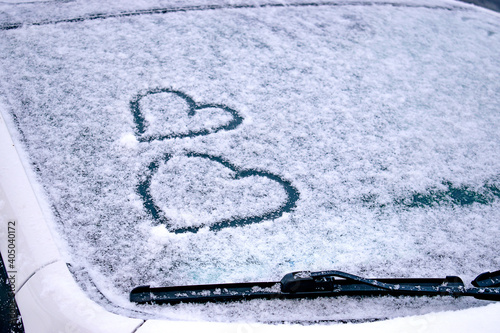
[[454, 195], [152, 11], [144, 191], [448, 195], [192, 109]]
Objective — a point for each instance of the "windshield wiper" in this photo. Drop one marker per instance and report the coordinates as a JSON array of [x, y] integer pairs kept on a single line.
[[307, 284]]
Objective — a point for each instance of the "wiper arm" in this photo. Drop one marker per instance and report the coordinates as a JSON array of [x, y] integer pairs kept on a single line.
[[307, 284]]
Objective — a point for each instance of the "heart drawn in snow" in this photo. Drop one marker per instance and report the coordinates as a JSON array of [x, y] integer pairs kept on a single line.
[[272, 188], [163, 113]]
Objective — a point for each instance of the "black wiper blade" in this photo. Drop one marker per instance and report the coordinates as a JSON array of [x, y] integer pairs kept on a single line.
[[306, 284]]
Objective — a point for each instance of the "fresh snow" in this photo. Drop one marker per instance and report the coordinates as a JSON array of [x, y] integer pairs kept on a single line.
[[358, 136]]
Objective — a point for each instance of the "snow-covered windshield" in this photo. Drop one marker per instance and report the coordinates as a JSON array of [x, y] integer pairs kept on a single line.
[[228, 142]]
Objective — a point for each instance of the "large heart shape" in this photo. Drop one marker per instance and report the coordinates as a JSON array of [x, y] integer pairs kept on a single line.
[[163, 113], [145, 189]]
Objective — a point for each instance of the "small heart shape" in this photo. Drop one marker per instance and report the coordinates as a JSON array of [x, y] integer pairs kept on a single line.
[[160, 114], [218, 193]]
